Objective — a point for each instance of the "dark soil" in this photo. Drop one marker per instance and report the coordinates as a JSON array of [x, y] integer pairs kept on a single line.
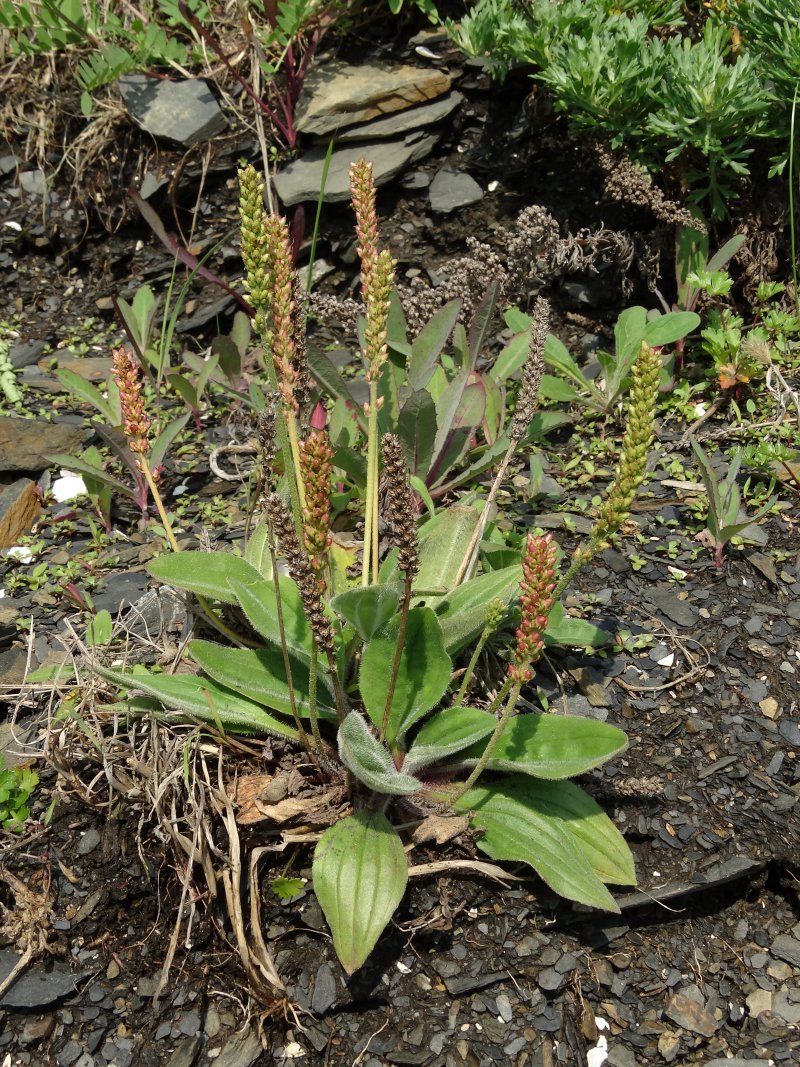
[[704, 960]]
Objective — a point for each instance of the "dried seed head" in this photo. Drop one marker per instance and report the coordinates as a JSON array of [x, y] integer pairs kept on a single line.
[[301, 571], [528, 399], [400, 505], [267, 437], [135, 422]]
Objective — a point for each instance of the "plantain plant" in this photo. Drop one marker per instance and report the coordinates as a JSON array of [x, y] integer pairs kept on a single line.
[[371, 672]]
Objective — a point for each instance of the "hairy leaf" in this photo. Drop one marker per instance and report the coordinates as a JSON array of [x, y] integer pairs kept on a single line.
[[371, 761], [422, 677]]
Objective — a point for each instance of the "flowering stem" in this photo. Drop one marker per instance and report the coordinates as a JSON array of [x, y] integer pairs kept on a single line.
[[369, 561], [494, 616]]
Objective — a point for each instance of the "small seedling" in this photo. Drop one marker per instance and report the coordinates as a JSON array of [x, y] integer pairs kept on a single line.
[[726, 516]]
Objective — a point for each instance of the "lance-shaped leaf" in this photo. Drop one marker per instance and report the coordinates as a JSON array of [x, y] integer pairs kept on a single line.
[[359, 875], [206, 574], [368, 608], [260, 676], [573, 633], [598, 838], [515, 829], [423, 674], [552, 746], [371, 761], [444, 541], [202, 699], [447, 732]]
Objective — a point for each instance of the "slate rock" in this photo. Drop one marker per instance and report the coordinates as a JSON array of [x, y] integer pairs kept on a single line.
[[336, 94], [90, 368], [452, 188], [787, 1009], [33, 182], [24, 353], [38, 986], [413, 118], [20, 505], [184, 111], [121, 588], [667, 602], [324, 995], [302, 178], [13, 663], [787, 948], [241, 1050], [186, 1052], [25, 444], [690, 1015]]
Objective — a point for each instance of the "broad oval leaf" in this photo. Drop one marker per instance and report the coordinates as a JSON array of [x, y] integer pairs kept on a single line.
[[371, 761], [359, 875], [667, 329], [515, 830], [552, 746], [447, 732], [257, 551], [423, 674], [256, 597], [462, 613], [203, 573], [368, 608], [598, 838], [260, 676], [202, 699]]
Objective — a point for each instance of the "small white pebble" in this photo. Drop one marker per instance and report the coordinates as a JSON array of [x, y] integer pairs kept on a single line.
[[68, 487], [597, 1056], [402, 968], [492, 186], [12, 225], [20, 552], [666, 661]]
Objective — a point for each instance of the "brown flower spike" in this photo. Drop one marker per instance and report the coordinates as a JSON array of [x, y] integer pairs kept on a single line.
[[536, 602], [301, 571], [135, 422], [399, 505]]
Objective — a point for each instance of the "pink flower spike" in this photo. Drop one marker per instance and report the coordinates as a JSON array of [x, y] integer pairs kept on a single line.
[[536, 602]]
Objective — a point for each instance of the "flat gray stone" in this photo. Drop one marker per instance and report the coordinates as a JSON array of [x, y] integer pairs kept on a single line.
[[33, 182], [451, 189], [302, 179], [185, 111], [38, 986], [186, 1052], [413, 118], [337, 95], [678, 611]]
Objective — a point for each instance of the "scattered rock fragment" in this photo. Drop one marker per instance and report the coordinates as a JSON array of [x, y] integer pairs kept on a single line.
[[690, 1015], [452, 188], [19, 507]]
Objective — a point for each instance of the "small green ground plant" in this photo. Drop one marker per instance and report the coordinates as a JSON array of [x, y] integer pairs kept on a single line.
[[371, 665], [16, 788]]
